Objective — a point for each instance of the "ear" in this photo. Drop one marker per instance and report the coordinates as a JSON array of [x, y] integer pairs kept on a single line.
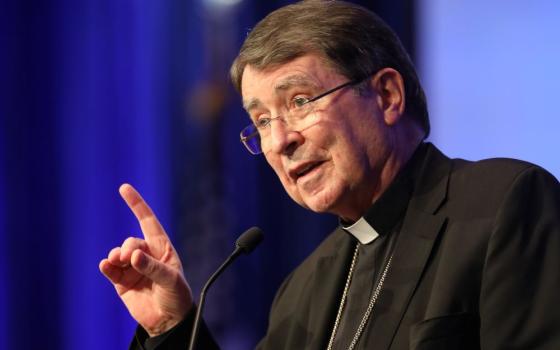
[[389, 85]]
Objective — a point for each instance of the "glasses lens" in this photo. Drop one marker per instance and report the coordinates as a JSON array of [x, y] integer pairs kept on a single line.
[[251, 139]]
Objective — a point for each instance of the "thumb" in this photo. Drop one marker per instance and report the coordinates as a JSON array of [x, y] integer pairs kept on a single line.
[[155, 270]]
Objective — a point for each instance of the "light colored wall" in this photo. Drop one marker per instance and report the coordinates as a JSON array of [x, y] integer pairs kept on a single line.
[[491, 70]]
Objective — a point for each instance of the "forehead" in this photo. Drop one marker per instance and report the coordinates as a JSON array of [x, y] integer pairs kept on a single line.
[[309, 71]]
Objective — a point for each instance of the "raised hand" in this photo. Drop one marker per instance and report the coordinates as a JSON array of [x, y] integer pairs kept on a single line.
[[147, 273]]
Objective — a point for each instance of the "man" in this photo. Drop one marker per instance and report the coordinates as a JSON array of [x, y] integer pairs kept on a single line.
[[432, 253]]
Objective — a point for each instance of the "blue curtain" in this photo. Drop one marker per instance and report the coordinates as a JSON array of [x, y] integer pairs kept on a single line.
[[84, 108], [97, 93]]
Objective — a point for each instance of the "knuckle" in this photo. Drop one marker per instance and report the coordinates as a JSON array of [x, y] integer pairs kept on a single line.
[[115, 252], [130, 241]]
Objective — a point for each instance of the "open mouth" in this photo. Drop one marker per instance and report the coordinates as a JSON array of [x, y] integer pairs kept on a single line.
[[307, 169]]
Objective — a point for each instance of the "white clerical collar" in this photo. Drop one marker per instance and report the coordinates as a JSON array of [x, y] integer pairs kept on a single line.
[[362, 230]]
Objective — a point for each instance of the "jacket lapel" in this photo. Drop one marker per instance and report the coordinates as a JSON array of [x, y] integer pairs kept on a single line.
[[421, 226], [330, 274]]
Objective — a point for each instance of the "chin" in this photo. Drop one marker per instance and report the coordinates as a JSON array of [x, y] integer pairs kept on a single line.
[[321, 202]]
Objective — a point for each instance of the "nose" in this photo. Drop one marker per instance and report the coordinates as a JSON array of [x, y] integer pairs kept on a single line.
[[283, 139]]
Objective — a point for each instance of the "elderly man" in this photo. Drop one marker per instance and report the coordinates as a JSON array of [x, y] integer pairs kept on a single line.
[[431, 253]]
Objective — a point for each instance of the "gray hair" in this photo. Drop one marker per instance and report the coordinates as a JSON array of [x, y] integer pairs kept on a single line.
[[352, 39]]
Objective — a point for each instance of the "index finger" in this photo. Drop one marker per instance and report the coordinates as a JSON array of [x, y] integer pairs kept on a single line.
[[151, 228]]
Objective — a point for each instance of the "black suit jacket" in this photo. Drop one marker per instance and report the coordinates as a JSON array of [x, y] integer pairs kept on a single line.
[[476, 266]]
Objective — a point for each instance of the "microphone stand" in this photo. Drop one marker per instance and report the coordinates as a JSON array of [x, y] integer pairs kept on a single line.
[[244, 245]]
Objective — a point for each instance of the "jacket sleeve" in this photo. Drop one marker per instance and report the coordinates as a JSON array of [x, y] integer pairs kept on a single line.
[[177, 338], [521, 277]]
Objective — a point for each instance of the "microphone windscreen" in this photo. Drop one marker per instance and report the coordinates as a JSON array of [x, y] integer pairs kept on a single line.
[[249, 239]]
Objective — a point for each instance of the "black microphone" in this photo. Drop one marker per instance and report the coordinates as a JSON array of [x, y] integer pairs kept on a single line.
[[244, 245]]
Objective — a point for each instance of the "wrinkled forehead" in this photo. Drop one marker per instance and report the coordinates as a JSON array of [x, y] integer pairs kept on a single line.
[[279, 88], [309, 72]]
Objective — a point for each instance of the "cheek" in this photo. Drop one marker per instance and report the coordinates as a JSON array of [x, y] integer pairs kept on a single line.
[[347, 171], [354, 144], [350, 165]]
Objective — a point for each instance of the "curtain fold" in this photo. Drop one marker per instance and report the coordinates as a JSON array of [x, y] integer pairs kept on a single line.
[[97, 93]]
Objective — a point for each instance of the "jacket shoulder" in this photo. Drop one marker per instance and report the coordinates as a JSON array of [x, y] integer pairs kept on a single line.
[[483, 186]]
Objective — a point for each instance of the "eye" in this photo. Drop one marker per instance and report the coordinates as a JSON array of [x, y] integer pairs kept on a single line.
[[262, 122], [299, 101]]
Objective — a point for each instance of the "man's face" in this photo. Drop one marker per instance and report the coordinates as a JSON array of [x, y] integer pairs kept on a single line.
[[333, 165]]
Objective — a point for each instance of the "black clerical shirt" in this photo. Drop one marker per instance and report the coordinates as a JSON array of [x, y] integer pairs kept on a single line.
[[385, 218]]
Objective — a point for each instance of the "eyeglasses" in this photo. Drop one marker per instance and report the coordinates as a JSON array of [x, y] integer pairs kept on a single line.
[[299, 117]]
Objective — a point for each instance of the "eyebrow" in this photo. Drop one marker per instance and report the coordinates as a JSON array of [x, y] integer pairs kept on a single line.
[[251, 104], [293, 80], [283, 85]]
